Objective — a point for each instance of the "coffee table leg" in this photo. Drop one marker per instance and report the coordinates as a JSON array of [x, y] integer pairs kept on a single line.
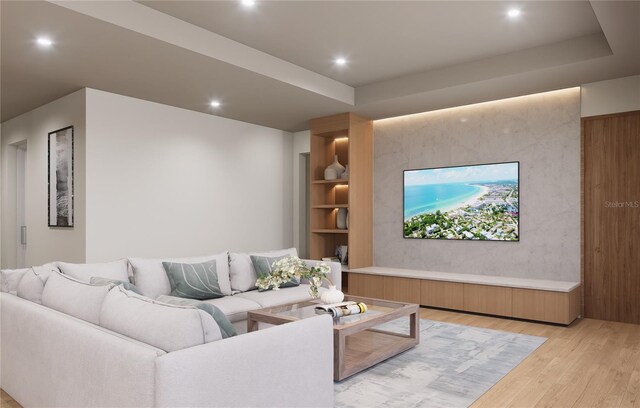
[[252, 325], [414, 324], [339, 344]]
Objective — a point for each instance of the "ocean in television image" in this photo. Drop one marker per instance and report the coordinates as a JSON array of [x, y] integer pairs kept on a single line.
[[478, 202]]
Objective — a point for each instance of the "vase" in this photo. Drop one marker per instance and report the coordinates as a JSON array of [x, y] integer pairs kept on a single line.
[[341, 218], [347, 219], [332, 295], [330, 173], [337, 166], [345, 175]]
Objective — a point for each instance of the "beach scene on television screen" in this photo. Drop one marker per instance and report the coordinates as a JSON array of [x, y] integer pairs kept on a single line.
[[478, 202]]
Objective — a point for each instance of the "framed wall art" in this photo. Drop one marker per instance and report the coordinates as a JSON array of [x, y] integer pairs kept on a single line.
[[60, 162]]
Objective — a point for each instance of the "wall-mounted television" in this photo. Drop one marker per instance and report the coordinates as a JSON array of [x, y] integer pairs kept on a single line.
[[475, 202]]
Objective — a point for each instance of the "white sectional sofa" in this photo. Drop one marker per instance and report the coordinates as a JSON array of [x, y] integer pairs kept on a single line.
[[72, 350]]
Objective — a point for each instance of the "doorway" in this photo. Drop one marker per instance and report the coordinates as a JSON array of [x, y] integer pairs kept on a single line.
[[21, 222]]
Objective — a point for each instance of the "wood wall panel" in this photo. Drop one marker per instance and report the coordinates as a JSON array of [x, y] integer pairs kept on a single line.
[[488, 299], [448, 295], [611, 162], [360, 192], [402, 289]]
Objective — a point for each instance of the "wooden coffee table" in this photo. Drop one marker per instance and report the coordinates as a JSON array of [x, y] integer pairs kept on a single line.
[[357, 342]]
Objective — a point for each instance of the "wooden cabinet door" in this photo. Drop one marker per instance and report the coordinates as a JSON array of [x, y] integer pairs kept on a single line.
[[611, 166]]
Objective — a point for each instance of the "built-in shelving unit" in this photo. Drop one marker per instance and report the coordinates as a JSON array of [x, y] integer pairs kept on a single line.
[[350, 137]]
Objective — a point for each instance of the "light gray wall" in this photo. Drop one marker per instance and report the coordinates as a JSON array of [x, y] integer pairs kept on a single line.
[[164, 181], [612, 96], [301, 146], [541, 131], [44, 244]]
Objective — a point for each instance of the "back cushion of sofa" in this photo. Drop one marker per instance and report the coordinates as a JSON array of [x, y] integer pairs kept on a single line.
[[151, 279], [10, 278], [32, 283], [117, 270], [73, 297], [243, 274], [164, 326]]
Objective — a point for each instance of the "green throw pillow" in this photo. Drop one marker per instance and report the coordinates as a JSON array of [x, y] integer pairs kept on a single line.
[[226, 328], [263, 266], [193, 281], [97, 280]]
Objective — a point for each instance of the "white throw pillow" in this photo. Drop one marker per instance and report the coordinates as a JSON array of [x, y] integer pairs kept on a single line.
[[10, 278], [167, 327], [117, 270], [32, 283], [242, 273], [151, 279], [74, 297]]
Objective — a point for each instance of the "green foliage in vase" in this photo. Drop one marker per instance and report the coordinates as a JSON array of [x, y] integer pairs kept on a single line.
[[284, 270]]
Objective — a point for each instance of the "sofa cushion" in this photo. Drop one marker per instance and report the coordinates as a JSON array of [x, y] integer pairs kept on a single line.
[[278, 297], [118, 270], [32, 283], [150, 277], [193, 281], [96, 280], [234, 307], [242, 272], [167, 327], [263, 266], [226, 328], [10, 278], [74, 297]]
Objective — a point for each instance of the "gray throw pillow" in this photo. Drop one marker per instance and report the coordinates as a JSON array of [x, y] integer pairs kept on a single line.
[[226, 328], [193, 281], [97, 280], [264, 266]]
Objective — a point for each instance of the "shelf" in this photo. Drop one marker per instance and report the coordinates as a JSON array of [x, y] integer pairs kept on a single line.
[[330, 231], [336, 181], [330, 206]]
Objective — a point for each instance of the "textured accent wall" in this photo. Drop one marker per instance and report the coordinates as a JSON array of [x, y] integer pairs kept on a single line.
[[541, 131]]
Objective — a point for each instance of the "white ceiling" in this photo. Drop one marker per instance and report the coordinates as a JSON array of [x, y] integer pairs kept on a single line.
[[272, 65]]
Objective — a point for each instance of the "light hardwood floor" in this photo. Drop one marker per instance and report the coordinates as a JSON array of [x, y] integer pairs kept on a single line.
[[592, 363]]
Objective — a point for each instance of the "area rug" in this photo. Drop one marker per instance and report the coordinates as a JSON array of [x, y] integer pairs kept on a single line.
[[451, 367]]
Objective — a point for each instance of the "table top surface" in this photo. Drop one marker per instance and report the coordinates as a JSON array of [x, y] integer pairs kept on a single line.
[[377, 309]]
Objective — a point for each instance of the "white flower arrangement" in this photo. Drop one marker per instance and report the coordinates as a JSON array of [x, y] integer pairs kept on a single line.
[[288, 269]]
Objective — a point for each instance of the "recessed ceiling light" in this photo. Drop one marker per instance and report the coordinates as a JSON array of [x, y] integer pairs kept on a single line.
[[513, 13], [248, 3], [340, 61], [215, 104], [44, 41]]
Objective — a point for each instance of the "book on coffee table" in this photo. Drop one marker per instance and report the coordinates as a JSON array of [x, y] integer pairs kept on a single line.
[[342, 308]]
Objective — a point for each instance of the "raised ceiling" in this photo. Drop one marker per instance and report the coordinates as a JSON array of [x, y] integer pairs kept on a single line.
[[272, 65], [384, 40]]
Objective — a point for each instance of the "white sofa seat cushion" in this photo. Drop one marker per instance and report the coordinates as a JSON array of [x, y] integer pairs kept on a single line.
[[242, 273], [278, 297], [167, 327], [234, 307], [151, 279], [73, 297], [32, 283], [10, 278], [116, 270]]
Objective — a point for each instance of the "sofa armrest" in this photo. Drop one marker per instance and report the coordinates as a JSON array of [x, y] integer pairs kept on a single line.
[[49, 359], [290, 365], [335, 275]]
